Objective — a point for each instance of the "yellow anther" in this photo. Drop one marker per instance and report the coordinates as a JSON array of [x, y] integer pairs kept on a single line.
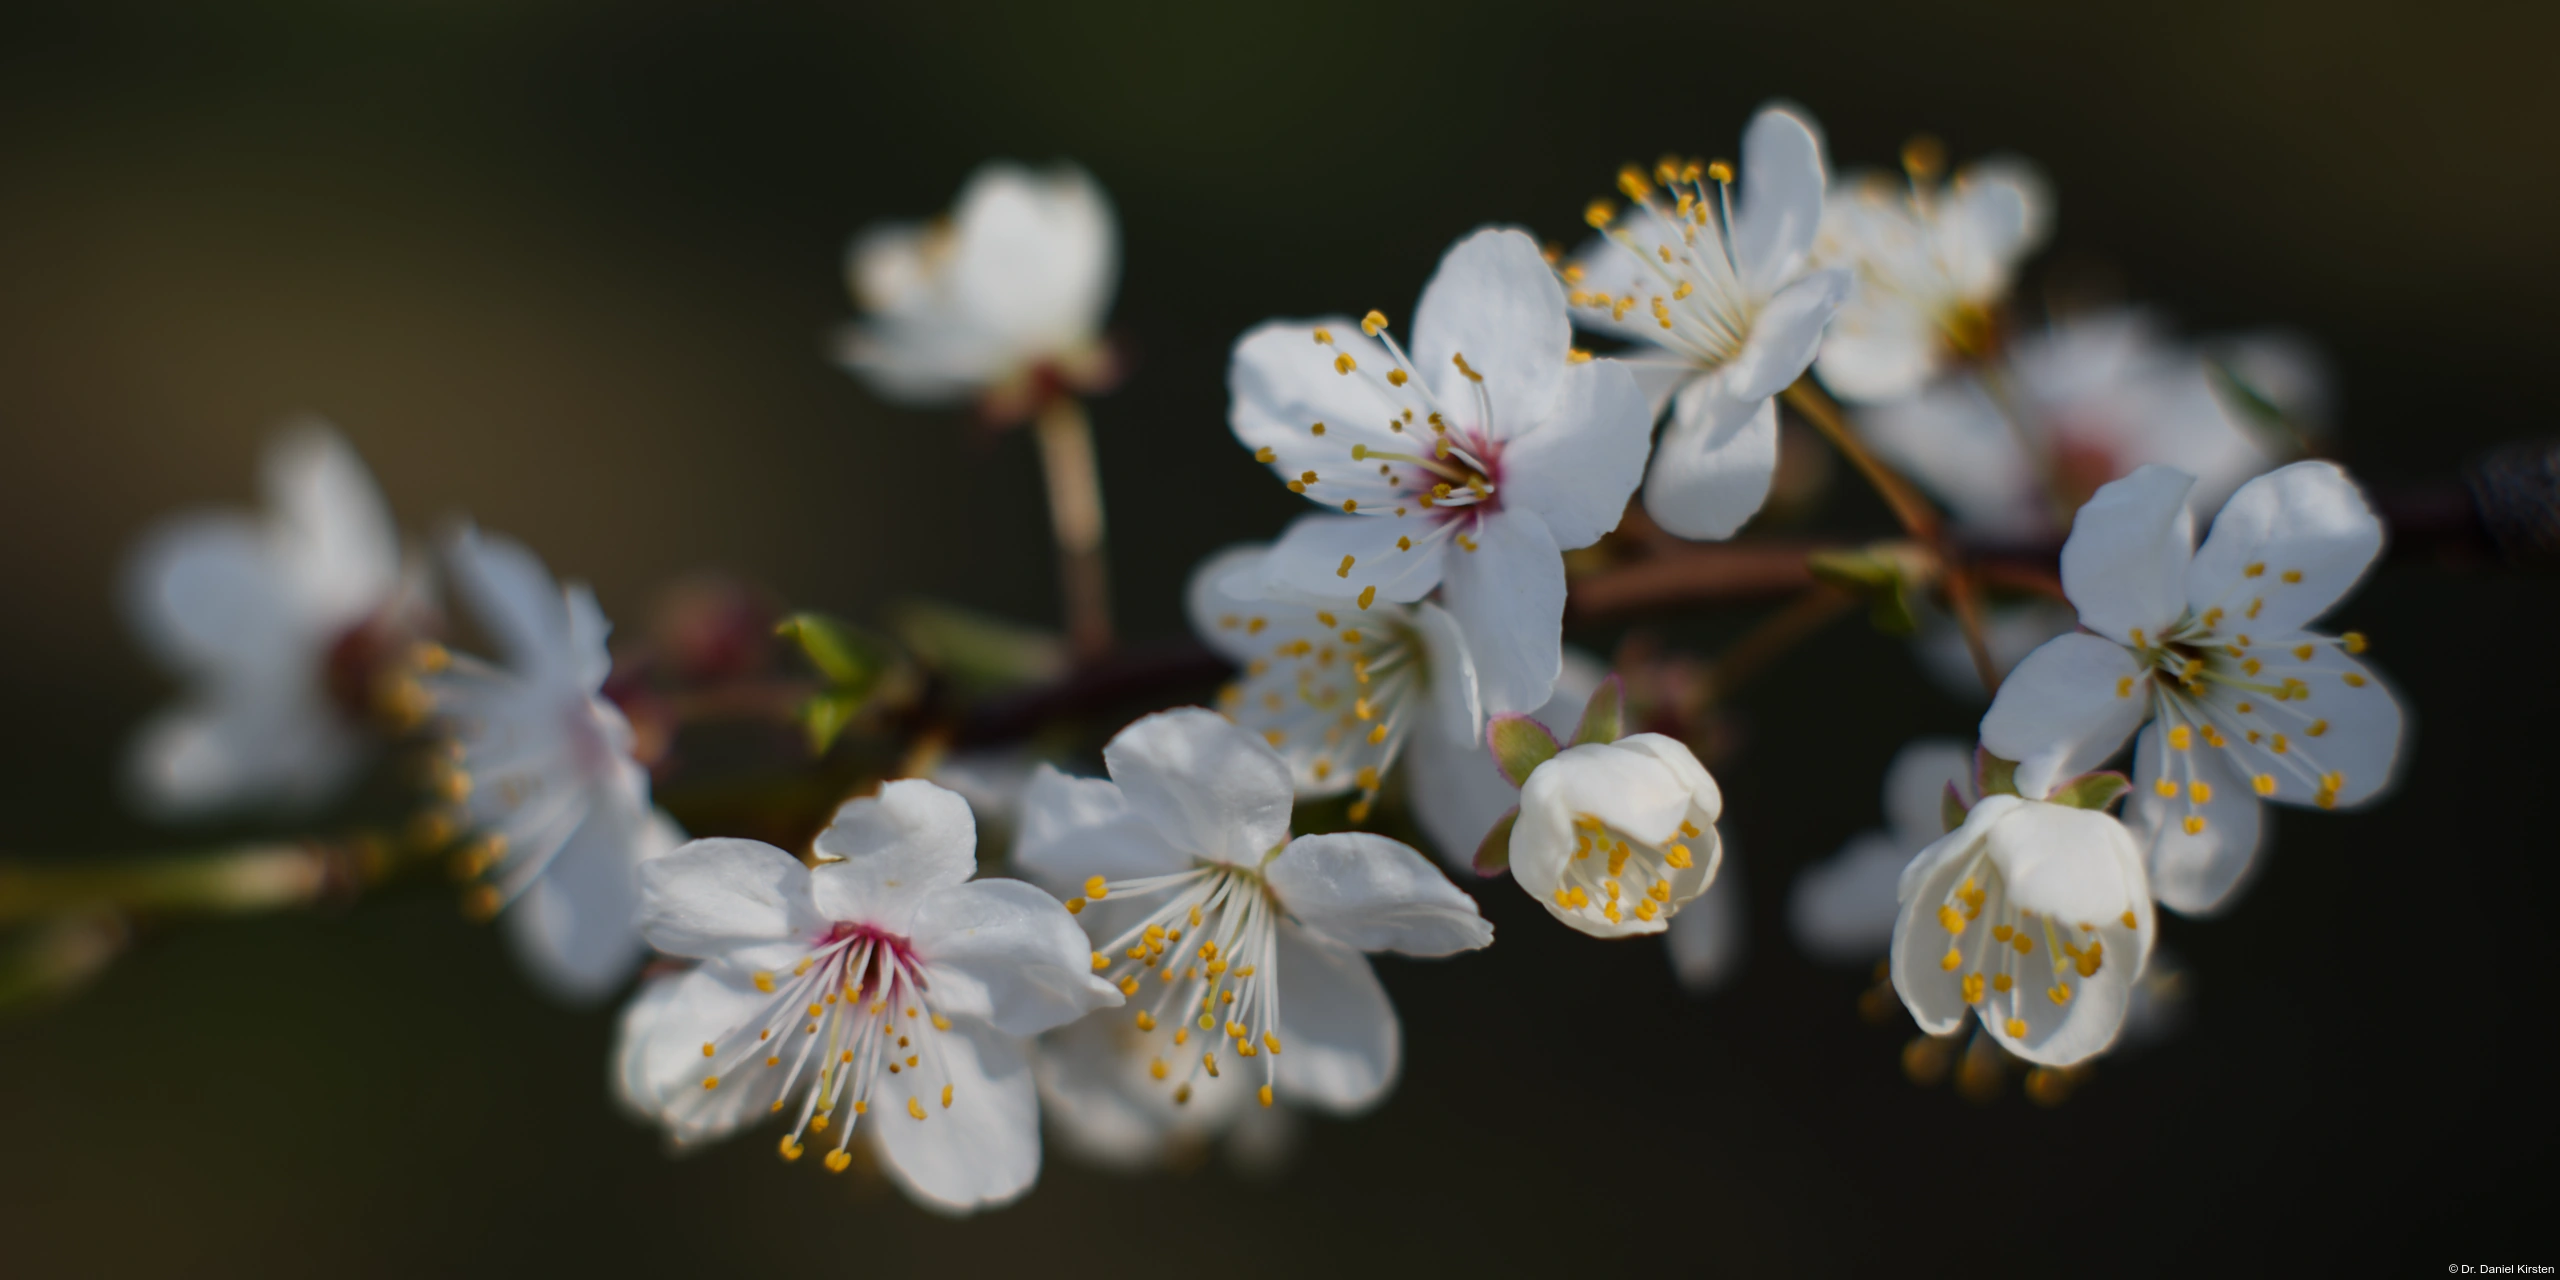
[[2180, 738], [764, 982], [2254, 570], [1264, 1093], [1274, 737], [818, 1123], [1181, 1094], [1101, 961], [1345, 570], [1344, 363], [1951, 960], [2194, 824], [838, 1160], [2022, 942], [915, 1108], [2017, 1028], [1950, 919], [2293, 575], [1577, 355], [2061, 993], [1209, 1063], [2090, 959], [2213, 737], [1324, 337], [1973, 988], [1075, 905], [790, 1147], [1372, 323], [1599, 213], [2354, 681], [2124, 686], [2165, 787], [1265, 455], [2001, 932], [2000, 982], [2250, 665], [2265, 784], [2352, 642], [711, 1082], [1718, 171]]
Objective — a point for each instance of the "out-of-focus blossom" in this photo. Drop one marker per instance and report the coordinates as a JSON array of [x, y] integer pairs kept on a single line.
[[2033, 916], [1717, 279], [544, 773], [1002, 302], [1934, 262], [885, 983], [1338, 691], [1207, 913], [1614, 838], [2014, 448], [1709, 938], [1842, 909], [1468, 464], [291, 629], [1106, 1106], [1458, 792], [2204, 649]]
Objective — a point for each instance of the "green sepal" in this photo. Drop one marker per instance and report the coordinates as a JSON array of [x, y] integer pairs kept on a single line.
[[823, 716], [1604, 715], [850, 660], [1993, 776], [2091, 790], [1519, 746], [1493, 857], [1883, 575], [978, 652], [1952, 808]]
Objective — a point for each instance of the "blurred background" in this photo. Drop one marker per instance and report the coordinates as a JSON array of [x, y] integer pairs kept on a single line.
[[569, 268]]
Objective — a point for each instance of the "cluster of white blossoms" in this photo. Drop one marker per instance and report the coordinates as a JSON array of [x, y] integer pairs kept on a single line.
[[1186, 958]]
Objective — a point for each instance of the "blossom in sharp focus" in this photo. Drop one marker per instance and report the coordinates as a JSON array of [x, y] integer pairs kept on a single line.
[[2204, 650], [1338, 691], [1842, 909], [1933, 262], [1468, 463], [1001, 302], [882, 984], [1715, 279], [2033, 916], [1614, 838], [543, 771], [1206, 913], [2014, 448], [291, 629]]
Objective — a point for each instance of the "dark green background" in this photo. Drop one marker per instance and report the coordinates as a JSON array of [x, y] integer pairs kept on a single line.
[[568, 267]]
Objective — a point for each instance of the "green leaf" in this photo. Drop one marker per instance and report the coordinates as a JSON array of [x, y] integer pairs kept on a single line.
[[1952, 808], [2091, 790], [1993, 776], [1603, 715], [978, 652], [1884, 575], [823, 716], [1520, 745], [849, 659], [1493, 857]]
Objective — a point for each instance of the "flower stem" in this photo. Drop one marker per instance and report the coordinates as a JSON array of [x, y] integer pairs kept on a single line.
[[233, 880], [1964, 594], [1075, 515], [1919, 519]]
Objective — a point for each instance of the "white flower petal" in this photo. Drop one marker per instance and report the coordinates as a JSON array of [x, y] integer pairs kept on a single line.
[[2340, 729], [1879, 354], [1038, 254], [710, 897], [2197, 873], [1342, 555], [243, 747], [1779, 206], [1210, 789], [662, 1067], [203, 594], [1282, 382], [1375, 894], [1933, 993], [515, 601], [1006, 952], [1508, 597], [1785, 336], [2288, 546], [1340, 1040], [1577, 468], [2067, 708], [1712, 470], [1456, 790], [1457, 700], [2001, 210], [981, 1151], [1075, 828], [1223, 590], [577, 926], [2065, 864], [337, 537], [2125, 564], [911, 839], [1495, 302]]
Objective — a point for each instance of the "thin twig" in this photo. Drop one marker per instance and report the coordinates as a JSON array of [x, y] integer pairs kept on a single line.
[[1965, 595], [1691, 573], [1075, 514], [1919, 519]]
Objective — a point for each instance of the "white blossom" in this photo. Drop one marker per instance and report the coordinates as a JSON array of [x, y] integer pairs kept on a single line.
[[1934, 262], [884, 984], [1001, 302], [1716, 278], [1105, 1105], [1217, 924], [1458, 792], [1340, 692], [2205, 650], [288, 627], [1468, 463], [2034, 917], [543, 770], [1614, 838]]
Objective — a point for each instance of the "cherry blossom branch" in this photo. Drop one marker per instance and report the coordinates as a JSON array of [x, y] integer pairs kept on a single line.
[[235, 880], [1075, 515], [1919, 518]]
